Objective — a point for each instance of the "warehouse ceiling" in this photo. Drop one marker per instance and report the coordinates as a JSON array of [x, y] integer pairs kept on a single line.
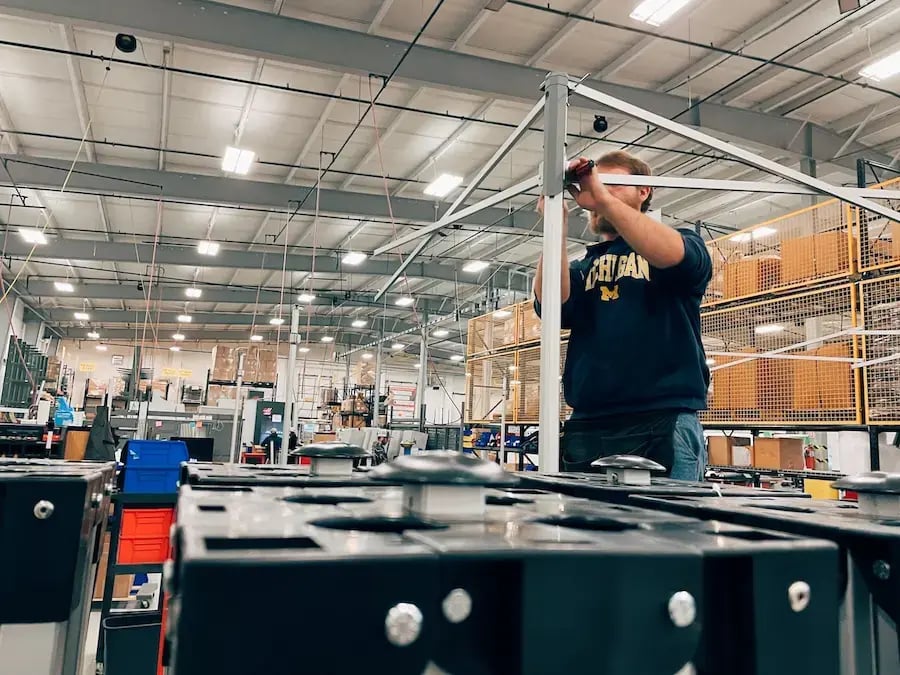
[[353, 108]]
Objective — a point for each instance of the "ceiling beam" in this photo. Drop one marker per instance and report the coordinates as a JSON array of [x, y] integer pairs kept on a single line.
[[243, 31], [220, 295], [109, 179], [103, 251]]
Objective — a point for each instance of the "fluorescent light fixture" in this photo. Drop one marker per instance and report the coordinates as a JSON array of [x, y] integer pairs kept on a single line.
[[657, 12], [457, 357], [193, 292], [502, 314], [359, 323], [327, 338], [443, 185], [185, 318], [475, 266], [276, 321], [32, 236], [758, 233], [417, 366], [303, 350], [441, 332], [710, 362], [256, 338], [178, 337], [404, 301], [174, 348], [82, 316], [306, 297], [883, 68], [397, 346], [237, 161], [353, 258], [94, 335], [208, 247], [101, 348], [367, 356], [64, 286], [768, 329]]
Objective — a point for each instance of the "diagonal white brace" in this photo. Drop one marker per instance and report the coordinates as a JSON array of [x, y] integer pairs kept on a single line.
[[732, 150]]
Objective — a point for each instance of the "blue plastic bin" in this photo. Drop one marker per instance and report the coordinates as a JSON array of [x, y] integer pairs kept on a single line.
[[153, 466]]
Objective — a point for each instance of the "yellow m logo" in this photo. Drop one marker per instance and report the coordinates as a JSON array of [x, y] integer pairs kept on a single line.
[[607, 294]]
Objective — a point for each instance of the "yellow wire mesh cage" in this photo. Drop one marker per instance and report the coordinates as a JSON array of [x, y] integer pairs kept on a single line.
[[529, 324], [484, 388], [528, 384], [493, 331], [878, 237], [784, 361], [797, 249], [881, 315]]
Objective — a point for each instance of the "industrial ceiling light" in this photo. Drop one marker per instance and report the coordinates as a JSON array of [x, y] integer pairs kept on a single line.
[[306, 297], [417, 366], [457, 357], [185, 318], [753, 235], [303, 350], [327, 338], [237, 161], [174, 348], [353, 258], [443, 185], [208, 247], [710, 362], [178, 337], [359, 323], [101, 348], [502, 314], [93, 335], [768, 329], [82, 316], [441, 332], [397, 346], [367, 356], [256, 338], [883, 68], [64, 286], [193, 292], [32, 236], [276, 321], [657, 12], [404, 301], [475, 266]]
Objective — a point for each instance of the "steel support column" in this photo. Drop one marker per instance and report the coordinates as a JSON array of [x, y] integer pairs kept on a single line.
[[556, 93], [290, 392]]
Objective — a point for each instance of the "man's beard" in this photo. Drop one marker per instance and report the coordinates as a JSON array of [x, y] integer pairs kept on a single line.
[[602, 226]]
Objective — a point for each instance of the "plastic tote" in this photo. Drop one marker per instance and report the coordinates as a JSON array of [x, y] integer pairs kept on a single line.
[[131, 643]]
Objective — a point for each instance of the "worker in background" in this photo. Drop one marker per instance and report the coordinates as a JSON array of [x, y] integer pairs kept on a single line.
[[272, 444], [635, 373]]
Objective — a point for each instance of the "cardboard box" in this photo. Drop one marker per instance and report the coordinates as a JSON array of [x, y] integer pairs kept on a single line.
[[122, 584], [742, 455], [832, 252], [751, 275], [895, 241], [778, 453], [798, 259], [822, 385], [718, 449], [744, 384], [776, 384], [719, 397]]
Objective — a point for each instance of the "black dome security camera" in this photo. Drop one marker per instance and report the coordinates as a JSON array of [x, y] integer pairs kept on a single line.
[[126, 43], [600, 124]]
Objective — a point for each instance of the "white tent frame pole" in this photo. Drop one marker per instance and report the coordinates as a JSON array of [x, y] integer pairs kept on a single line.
[[732, 150]]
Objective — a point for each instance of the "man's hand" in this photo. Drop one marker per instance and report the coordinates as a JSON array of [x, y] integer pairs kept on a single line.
[[591, 194], [540, 209]]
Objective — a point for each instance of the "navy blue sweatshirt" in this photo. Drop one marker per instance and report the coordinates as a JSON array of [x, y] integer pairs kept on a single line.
[[635, 344]]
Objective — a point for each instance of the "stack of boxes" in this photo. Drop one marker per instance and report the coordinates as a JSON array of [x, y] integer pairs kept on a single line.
[[225, 363], [748, 276], [260, 365], [815, 256]]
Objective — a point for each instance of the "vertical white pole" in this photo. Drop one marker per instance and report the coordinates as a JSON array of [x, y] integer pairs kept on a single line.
[[376, 403], [423, 372], [290, 393], [556, 89], [239, 383]]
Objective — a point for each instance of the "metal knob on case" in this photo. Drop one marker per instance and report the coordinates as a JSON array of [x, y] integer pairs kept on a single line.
[[443, 483], [628, 469], [332, 458]]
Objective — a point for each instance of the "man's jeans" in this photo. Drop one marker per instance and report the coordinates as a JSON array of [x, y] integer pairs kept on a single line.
[[677, 444]]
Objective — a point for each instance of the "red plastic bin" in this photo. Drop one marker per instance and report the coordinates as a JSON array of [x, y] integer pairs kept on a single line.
[[144, 536]]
